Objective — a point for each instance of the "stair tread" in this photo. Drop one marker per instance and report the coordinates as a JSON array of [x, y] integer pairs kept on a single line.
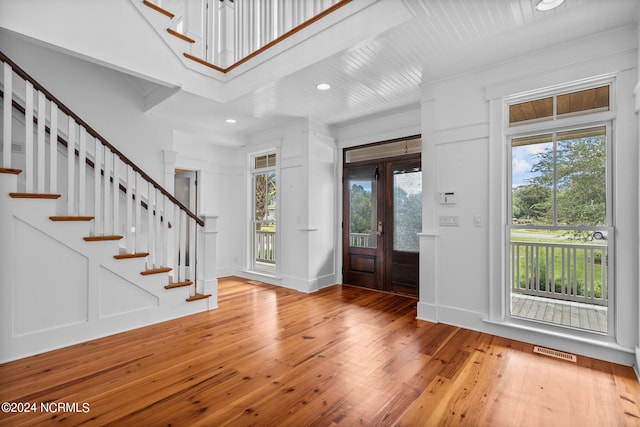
[[179, 284], [101, 238], [34, 196], [71, 218], [158, 9], [11, 171], [133, 255], [156, 271], [197, 297]]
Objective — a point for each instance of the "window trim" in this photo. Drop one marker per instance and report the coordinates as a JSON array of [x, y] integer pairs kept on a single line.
[[554, 91], [251, 171], [554, 126]]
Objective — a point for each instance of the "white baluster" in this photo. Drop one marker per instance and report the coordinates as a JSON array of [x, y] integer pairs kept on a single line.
[[97, 167], [53, 149], [150, 234], [106, 194], [138, 210], [157, 229], [82, 172], [175, 232], [71, 157], [7, 116], [183, 244], [42, 118], [130, 186], [192, 247], [166, 260], [116, 195], [28, 124]]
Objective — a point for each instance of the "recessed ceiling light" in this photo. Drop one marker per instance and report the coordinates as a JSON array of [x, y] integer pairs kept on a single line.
[[230, 121], [544, 5], [324, 86]]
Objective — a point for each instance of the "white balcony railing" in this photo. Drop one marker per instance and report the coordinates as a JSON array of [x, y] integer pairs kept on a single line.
[[564, 271], [226, 31]]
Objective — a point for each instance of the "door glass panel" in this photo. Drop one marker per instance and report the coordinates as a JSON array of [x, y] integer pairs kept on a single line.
[[407, 209], [362, 212]]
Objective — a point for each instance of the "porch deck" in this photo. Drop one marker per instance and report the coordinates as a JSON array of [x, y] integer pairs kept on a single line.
[[568, 313]]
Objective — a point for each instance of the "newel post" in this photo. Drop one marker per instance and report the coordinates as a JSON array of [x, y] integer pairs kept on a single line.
[[207, 281]]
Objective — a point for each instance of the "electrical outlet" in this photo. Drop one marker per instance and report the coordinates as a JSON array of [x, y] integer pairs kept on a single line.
[[450, 221]]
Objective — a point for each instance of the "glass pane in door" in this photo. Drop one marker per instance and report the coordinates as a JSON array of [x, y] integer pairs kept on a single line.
[[362, 212], [407, 209]]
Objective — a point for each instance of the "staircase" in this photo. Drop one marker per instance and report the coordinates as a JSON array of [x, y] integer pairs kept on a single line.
[[90, 245]]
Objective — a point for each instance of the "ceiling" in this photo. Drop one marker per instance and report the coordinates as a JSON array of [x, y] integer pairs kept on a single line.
[[441, 38]]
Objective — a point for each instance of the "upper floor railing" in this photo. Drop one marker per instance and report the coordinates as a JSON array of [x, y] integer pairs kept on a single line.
[[226, 33]]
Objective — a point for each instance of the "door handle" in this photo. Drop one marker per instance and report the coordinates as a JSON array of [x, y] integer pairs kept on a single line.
[[380, 230]]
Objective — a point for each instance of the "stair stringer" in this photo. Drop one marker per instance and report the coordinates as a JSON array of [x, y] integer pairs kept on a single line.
[[57, 290]]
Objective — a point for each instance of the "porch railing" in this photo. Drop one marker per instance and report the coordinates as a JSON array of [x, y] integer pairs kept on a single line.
[[359, 240], [265, 242], [572, 272]]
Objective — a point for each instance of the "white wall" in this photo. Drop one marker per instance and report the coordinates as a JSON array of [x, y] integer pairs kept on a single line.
[[105, 99], [220, 186], [307, 205], [463, 151]]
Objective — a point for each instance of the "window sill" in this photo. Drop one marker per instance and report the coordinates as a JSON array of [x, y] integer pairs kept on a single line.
[[576, 336]]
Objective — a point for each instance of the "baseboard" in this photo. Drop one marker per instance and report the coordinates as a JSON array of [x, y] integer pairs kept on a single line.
[[596, 347], [636, 367], [427, 312]]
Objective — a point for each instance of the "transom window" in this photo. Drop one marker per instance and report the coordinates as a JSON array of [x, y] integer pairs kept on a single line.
[[558, 106]]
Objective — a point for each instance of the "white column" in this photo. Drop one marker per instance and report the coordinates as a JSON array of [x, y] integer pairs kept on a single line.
[[207, 281], [428, 304]]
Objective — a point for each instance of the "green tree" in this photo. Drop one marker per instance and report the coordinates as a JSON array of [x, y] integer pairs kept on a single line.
[[578, 173], [532, 202], [360, 210], [408, 212]]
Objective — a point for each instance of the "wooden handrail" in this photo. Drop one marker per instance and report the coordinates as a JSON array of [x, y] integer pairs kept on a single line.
[[87, 160], [20, 72]]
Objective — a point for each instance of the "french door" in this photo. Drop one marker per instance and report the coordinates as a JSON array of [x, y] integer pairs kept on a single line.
[[382, 208]]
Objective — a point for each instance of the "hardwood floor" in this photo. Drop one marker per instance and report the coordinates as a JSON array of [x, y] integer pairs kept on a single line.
[[342, 356]]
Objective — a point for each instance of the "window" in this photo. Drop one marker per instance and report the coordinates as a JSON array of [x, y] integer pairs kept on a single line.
[[264, 213], [560, 211], [564, 105]]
